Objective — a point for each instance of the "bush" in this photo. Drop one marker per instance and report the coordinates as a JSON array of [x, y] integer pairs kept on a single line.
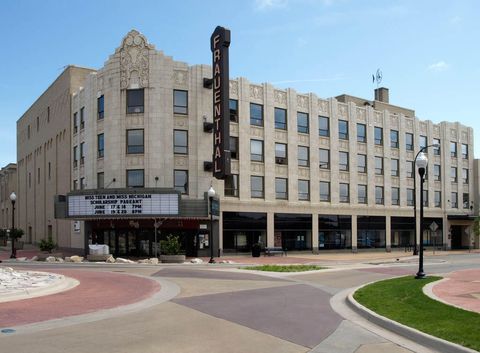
[[16, 233], [171, 246], [47, 245]]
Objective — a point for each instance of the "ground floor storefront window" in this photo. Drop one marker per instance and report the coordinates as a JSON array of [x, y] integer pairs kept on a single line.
[[243, 229], [370, 232], [293, 231], [403, 231], [334, 232], [433, 232]]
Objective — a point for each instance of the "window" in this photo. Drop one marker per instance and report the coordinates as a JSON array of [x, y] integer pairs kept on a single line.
[[75, 156], [361, 163], [454, 200], [410, 197], [323, 126], [38, 175], [379, 165], [437, 172], [343, 130], [75, 124], [180, 180], [343, 161], [423, 143], [38, 123], [28, 131], [436, 150], [256, 114], [82, 118], [425, 198], [280, 119], [100, 145], [82, 153], [379, 195], [409, 141], [465, 176], [180, 141], [395, 196], [49, 170], [100, 107], [75, 185], [362, 194], [410, 169], [233, 105], [395, 165], [302, 122], [256, 150], [324, 158], [280, 153], [135, 101], [281, 188], [256, 186], [361, 132], [48, 114], [82, 183], [344, 193], [180, 102], [378, 135], [453, 149], [438, 199], [304, 190], [466, 200], [394, 143], [231, 185], [233, 147], [100, 180], [324, 191], [135, 141], [135, 178], [453, 174], [464, 151], [303, 156]]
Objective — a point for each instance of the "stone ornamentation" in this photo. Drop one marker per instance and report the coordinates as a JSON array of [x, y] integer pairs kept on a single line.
[[280, 97], [302, 102], [323, 105], [180, 77], [256, 92], [233, 88], [342, 110]]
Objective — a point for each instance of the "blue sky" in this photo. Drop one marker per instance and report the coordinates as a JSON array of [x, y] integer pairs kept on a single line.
[[427, 50]]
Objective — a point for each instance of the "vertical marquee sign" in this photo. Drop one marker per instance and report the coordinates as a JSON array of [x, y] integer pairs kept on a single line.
[[219, 43]]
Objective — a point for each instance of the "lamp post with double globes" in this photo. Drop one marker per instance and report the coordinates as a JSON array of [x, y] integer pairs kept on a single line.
[[211, 194], [13, 198], [421, 164]]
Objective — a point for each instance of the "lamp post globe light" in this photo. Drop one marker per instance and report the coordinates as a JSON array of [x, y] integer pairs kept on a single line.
[[211, 194], [421, 164], [13, 198]]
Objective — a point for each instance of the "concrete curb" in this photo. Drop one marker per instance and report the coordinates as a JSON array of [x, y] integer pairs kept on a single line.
[[422, 338]]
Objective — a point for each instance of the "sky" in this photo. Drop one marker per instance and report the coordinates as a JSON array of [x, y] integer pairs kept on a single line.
[[427, 50]]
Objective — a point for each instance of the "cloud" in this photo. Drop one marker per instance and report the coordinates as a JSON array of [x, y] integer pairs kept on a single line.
[[439, 66], [263, 5]]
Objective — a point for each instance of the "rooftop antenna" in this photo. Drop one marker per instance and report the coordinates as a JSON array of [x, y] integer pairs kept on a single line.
[[377, 77]]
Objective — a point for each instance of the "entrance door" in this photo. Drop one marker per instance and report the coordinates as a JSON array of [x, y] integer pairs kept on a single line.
[[456, 232]]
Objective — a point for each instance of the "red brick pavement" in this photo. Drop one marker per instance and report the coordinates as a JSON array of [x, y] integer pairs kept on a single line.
[[461, 289], [96, 291]]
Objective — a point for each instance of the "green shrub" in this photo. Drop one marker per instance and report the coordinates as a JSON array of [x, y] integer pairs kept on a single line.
[[47, 244], [16, 233], [171, 246]]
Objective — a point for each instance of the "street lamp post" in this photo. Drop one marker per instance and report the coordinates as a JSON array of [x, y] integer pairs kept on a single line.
[[436, 145], [211, 194], [13, 198], [421, 164]]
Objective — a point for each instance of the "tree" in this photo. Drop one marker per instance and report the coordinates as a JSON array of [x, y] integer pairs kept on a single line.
[[16, 233]]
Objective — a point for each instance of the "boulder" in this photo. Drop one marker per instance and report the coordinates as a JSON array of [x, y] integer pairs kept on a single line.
[[196, 261], [110, 259], [35, 258], [120, 260], [50, 259], [76, 258], [59, 259], [153, 261], [68, 259], [144, 261], [21, 259]]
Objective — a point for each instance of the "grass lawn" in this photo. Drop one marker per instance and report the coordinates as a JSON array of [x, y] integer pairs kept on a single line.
[[402, 300], [284, 268]]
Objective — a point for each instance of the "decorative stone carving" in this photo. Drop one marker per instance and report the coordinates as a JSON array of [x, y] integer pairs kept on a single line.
[[361, 147], [100, 83], [344, 176], [280, 97], [324, 142], [302, 102], [256, 131], [394, 153], [361, 114], [281, 170], [395, 181], [394, 120], [379, 180], [436, 130], [234, 129], [464, 136], [281, 135], [134, 62], [379, 150], [180, 77], [342, 110], [324, 174], [323, 106], [256, 92], [362, 178], [233, 86], [303, 139], [135, 161], [409, 124], [234, 166], [423, 128], [181, 161], [256, 168], [410, 182], [134, 121], [453, 133], [378, 118], [181, 122], [343, 144], [304, 172]]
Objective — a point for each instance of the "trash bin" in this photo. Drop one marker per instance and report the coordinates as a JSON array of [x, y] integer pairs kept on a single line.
[[256, 249]]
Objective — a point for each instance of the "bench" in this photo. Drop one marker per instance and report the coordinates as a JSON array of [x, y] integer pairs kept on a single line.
[[270, 251]]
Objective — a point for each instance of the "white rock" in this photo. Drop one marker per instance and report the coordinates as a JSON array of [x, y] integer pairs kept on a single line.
[[50, 259], [144, 261], [35, 258], [21, 259], [68, 259], [196, 261], [110, 259], [121, 260], [59, 259], [76, 258], [153, 261]]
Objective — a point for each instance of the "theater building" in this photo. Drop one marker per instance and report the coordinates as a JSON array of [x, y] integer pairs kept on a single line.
[[308, 173]]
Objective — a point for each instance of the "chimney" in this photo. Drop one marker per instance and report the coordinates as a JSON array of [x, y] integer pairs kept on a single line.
[[381, 94]]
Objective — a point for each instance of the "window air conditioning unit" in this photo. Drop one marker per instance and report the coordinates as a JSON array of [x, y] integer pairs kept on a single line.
[[207, 166], [207, 127], [280, 160]]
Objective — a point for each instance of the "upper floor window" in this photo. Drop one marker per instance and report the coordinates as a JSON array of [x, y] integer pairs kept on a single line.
[[75, 184], [437, 172], [464, 151], [135, 101], [361, 163], [361, 132], [135, 141], [303, 156], [324, 188], [82, 118], [425, 198], [28, 131], [323, 126], [394, 143], [100, 145], [395, 196], [436, 150], [423, 143], [100, 180], [453, 149], [410, 197], [82, 183], [409, 141], [135, 178], [344, 192], [82, 153], [343, 130], [233, 147], [437, 199], [280, 119], [378, 135], [395, 166], [343, 161], [180, 102], [256, 150], [281, 188], [304, 190], [100, 107], [256, 186], [180, 141], [180, 178], [75, 124], [465, 176], [379, 165], [324, 158], [379, 195], [302, 122], [362, 193], [38, 123], [466, 200], [75, 156], [256, 114], [409, 168], [454, 200], [233, 104], [453, 174], [231, 185], [280, 153]]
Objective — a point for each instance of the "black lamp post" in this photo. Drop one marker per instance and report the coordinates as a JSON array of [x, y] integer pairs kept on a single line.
[[211, 194], [421, 164], [415, 249], [13, 198]]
